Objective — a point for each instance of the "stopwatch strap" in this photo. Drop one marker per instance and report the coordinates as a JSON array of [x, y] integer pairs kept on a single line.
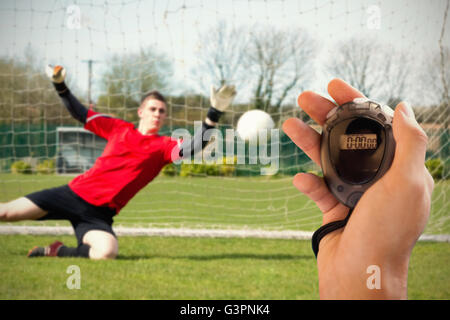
[[326, 229]]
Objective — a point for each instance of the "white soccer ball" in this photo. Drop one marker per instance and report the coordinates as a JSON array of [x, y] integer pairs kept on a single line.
[[251, 122]]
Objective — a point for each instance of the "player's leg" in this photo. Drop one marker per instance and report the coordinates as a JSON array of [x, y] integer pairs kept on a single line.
[[97, 245], [20, 209], [92, 225], [103, 245]]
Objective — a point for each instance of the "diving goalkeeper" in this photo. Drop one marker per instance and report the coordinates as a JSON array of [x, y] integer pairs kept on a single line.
[[133, 157]]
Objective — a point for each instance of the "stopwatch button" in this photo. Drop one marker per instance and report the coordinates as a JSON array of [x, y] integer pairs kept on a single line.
[[381, 117], [353, 199], [331, 112], [375, 105], [386, 109], [360, 100]]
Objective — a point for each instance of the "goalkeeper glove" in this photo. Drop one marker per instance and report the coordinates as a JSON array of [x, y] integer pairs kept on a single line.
[[57, 74], [220, 101], [222, 98]]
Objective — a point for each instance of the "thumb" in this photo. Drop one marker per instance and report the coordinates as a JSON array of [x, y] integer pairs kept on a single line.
[[212, 91], [49, 71], [411, 140]]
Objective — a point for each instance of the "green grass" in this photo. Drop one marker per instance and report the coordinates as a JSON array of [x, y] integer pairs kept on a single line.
[[216, 202], [193, 268]]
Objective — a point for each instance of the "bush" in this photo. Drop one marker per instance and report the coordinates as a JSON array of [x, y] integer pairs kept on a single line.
[[21, 167], [192, 169], [212, 169], [46, 167], [170, 170], [202, 169], [435, 167], [227, 170], [228, 166]]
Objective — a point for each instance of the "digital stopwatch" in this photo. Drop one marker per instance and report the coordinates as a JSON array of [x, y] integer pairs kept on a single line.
[[357, 148]]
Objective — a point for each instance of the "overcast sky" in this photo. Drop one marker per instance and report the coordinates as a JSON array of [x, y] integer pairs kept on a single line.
[[173, 28]]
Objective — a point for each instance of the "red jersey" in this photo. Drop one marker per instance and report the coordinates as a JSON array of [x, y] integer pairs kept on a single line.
[[128, 163]]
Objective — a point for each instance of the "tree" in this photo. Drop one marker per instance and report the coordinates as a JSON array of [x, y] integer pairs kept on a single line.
[[379, 72], [27, 95], [220, 54], [267, 64], [437, 76], [281, 61], [128, 78]]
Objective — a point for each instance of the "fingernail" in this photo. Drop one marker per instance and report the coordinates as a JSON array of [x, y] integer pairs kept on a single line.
[[407, 110]]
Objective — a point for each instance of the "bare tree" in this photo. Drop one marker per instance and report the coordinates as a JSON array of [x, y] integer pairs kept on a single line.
[[378, 71], [128, 77], [220, 55], [281, 61], [435, 77], [267, 63], [26, 94], [444, 58]]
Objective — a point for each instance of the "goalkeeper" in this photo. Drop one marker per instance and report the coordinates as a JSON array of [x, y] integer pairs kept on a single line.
[[131, 159]]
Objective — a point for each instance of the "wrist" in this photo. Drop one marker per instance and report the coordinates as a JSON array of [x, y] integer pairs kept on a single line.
[[371, 275], [61, 88], [210, 123], [214, 115]]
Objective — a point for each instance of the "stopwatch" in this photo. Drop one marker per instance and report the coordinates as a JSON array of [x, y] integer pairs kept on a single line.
[[357, 148]]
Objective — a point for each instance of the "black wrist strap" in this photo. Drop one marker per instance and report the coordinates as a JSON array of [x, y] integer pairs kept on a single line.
[[214, 114], [326, 229], [61, 88]]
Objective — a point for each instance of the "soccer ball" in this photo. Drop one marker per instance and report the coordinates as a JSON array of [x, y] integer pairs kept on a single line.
[[251, 122]]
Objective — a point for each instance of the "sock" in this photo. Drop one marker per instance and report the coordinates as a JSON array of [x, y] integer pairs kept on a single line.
[[80, 251]]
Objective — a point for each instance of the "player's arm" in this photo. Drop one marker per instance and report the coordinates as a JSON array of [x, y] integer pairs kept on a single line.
[[100, 124], [220, 101], [76, 109]]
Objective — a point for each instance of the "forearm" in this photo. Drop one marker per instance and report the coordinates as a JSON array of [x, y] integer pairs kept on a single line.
[[75, 108], [198, 143]]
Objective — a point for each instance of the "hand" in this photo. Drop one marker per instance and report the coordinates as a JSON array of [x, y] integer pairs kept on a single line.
[[222, 98], [389, 217], [57, 74]]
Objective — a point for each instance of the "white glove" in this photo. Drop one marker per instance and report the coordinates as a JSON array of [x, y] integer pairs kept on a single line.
[[222, 98], [56, 74]]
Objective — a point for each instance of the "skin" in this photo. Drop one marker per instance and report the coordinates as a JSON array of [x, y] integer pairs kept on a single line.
[[152, 114], [387, 220]]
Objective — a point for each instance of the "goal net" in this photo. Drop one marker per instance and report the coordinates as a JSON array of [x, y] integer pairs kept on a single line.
[[115, 51]]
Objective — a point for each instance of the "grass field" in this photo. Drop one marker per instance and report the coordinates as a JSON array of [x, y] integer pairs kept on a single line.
[[193, 268], [217, 202], [203, 268]]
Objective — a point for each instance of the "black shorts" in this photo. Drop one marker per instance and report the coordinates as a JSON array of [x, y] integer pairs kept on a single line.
[[62, 203]]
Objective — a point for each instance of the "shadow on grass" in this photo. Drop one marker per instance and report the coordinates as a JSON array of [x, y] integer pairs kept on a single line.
[[219, 257]]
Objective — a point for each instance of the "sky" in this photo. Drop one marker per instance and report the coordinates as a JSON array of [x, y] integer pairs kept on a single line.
[[71, 32]]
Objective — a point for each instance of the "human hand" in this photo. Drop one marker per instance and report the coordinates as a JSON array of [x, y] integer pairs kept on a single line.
[[57, 74], [222, 98], [389, 217]]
